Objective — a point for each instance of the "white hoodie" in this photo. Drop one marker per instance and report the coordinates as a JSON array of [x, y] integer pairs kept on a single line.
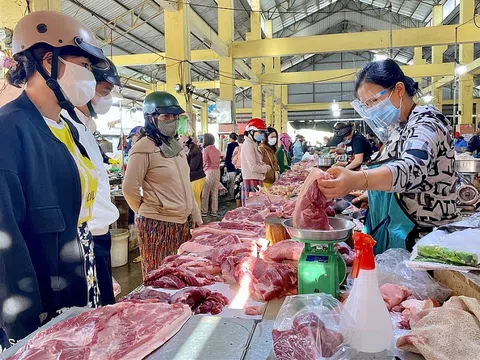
[[104, 212]]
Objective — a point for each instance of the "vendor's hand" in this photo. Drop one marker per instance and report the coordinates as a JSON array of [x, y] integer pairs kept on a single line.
[[361, 198], [342, 183], [333, 151], [340, 163], [197, 223]]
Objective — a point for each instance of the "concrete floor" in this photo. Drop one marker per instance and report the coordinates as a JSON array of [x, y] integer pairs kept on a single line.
[[129, 276]]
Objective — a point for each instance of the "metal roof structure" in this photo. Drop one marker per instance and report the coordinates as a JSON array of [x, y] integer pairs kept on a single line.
[[290, 18]]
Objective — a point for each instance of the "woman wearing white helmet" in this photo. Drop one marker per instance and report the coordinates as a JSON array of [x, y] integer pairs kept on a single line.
[[47, 182]]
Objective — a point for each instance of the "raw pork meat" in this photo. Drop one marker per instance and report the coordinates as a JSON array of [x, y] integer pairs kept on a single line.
[[215, 229], [308, 339], [193, 297], [346, 251], [266, 280], [213, 304], [126, 330], [147, 295], [284, 250], [242, 249], [201, 300], [177, 278], [192, 263], [194, 247], [394, 294], [412, 308], [253, 310], [229, 267], [311, 207]]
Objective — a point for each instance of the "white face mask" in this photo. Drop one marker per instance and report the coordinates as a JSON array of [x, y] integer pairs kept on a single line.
[[272, 141], [77, 83], [102, 105]]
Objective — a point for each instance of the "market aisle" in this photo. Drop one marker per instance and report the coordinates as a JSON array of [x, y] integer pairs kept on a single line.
[[130, 276]]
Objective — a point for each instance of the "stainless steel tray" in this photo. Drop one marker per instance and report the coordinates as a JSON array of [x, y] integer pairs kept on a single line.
[[342, 229]]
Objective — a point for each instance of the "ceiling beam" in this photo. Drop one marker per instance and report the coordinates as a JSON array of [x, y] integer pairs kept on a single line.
[[347, 75], [368, 40], [207, 34]]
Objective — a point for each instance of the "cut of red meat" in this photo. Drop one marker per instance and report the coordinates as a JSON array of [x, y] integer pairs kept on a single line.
[[284, 250], [346, 251], [320, 341], [193, 297], [267, 281], [253, 310], [393, 294], [229, 267], [194, 247], [215, 229], [192, 263], [293, 345], [147, 295], [213, 304], [167, 282], [168, 277], [311, 207], [126, 330], [242, 249], [215, 240]]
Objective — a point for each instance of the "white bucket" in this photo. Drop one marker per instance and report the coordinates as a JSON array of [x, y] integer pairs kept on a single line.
[[119, 250]]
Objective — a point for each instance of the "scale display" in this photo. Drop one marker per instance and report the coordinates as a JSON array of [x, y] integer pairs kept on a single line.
[[317, 258]]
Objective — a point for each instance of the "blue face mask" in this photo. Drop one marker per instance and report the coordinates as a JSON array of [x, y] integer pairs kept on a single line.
[[258, 137]]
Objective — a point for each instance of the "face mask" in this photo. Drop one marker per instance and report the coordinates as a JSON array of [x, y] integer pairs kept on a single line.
[[348, 141], [272, 141], [258, 137], [168, 127], [77, 83], [102, 105]]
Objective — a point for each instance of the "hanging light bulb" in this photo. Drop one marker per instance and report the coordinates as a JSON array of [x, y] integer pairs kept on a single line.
[[427, 98], [461, 70], [380, 56], [335, 106], [336, 113]]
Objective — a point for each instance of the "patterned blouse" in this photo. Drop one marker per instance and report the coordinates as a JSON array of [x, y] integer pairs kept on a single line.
[[422, 163]]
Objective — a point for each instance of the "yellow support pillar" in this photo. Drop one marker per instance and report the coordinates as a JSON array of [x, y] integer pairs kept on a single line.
[[437, 57], [418, 60], [177, 53], [227, 69], [284, 108], [204, 121], [465, 93], [256, 34], [268, 90], [43, 5]]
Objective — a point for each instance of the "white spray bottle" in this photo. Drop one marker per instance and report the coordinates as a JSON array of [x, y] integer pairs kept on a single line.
[[373, 332]]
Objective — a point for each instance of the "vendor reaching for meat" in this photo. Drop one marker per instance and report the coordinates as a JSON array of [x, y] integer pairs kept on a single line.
[[253, 167], [411, 185], [357, 147], [157, 183]]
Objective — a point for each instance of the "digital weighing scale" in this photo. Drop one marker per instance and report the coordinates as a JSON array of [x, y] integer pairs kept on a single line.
[[321, 268]]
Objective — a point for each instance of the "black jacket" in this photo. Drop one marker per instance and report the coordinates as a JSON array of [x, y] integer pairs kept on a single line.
[[195, 161], [228, 157], [41, 260]]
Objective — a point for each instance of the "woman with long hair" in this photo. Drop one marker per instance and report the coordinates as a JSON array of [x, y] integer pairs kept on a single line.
[[268, 148], [157, 183]]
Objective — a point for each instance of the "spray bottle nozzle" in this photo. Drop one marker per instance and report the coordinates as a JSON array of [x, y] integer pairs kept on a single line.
[[364, 258]]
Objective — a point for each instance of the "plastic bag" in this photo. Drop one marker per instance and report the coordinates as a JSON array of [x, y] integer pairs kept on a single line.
[[222, 190], [184, 126], [391, 268], [457, 248], [313, 326]]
